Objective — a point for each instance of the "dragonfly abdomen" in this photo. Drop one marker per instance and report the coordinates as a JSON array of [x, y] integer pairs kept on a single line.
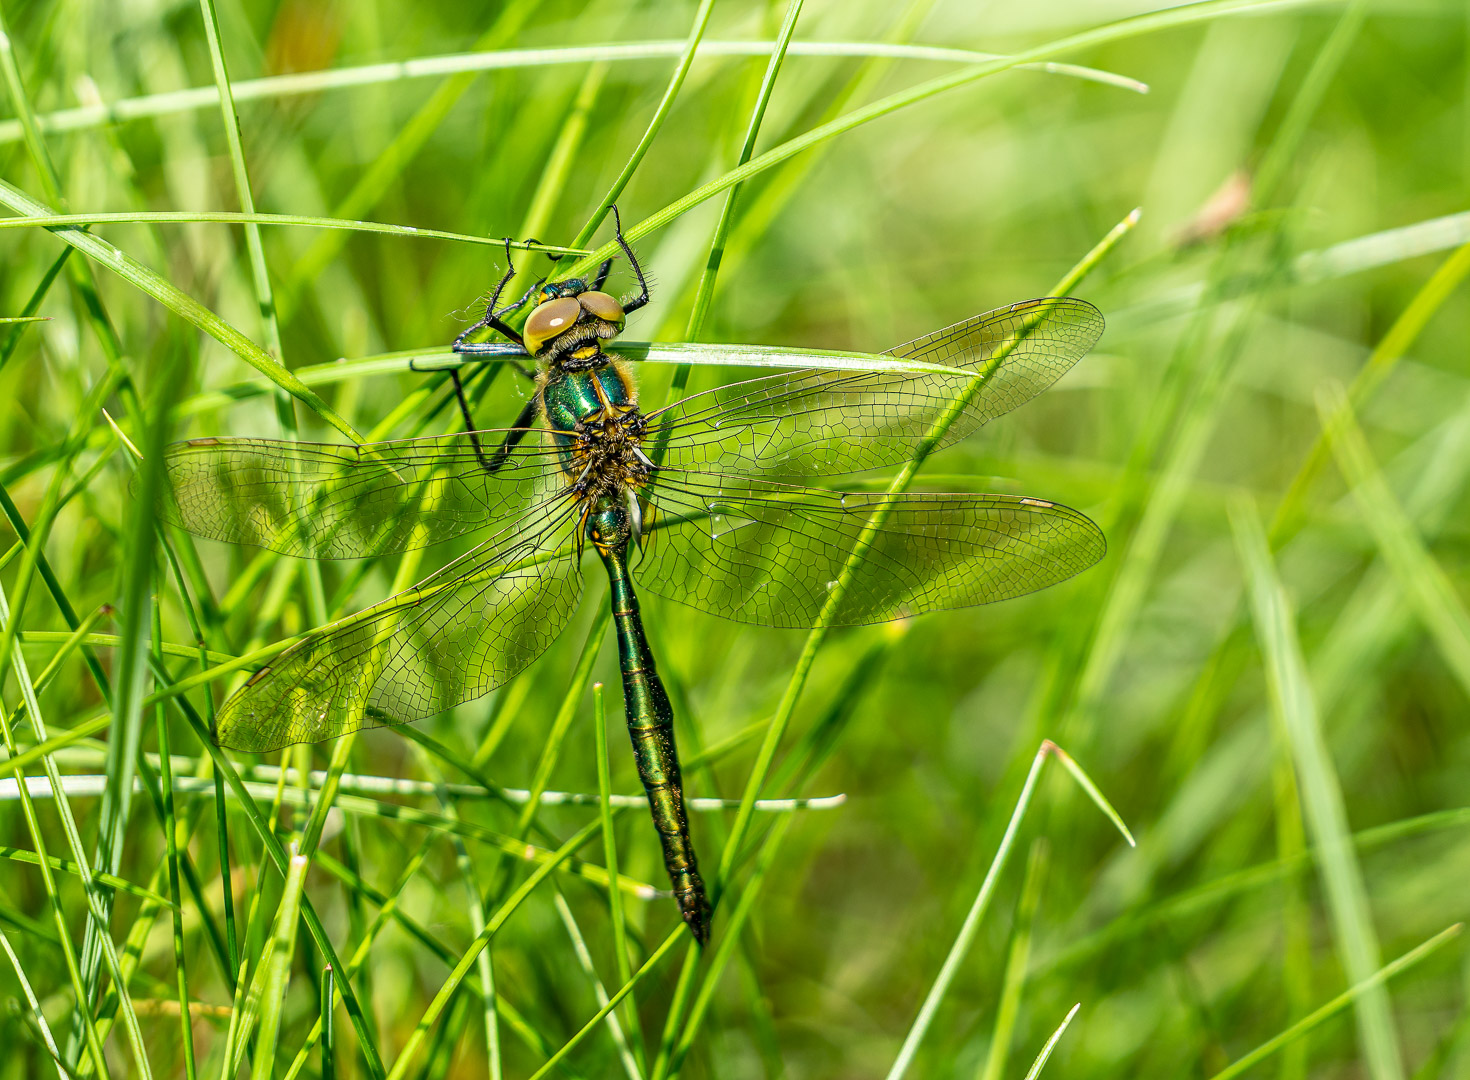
[[650, 718]]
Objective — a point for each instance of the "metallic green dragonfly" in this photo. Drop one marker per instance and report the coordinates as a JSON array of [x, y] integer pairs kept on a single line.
[[703, 502]]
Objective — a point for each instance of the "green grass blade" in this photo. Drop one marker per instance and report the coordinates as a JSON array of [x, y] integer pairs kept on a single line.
[[1342, 1001], [971, 926], [265, 88], [66, 866], [610, 860], [704, 292], [1121, 30], [1423, 580], [1051, 1044], [181, 304], [654, 959], [1295, 709], [676, 81], [74, 973], [584, 959], [482, 939], [1385, 358], [35, 1005], [814, 640], [1013, 981], [43, 287], [252, 218], [171, 856], [278, 974], [406, 144]]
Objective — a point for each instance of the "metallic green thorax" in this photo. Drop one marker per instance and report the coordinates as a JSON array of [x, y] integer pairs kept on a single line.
[[594, 415]]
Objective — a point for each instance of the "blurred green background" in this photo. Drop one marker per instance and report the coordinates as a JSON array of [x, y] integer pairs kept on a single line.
[[1267, 676]]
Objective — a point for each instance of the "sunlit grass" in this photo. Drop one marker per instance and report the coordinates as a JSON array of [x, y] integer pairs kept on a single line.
[[1265, 680]]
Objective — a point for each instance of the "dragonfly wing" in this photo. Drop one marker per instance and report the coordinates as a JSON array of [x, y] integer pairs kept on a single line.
[[327, 501], [773, 555], [456, 636], [817, 421]]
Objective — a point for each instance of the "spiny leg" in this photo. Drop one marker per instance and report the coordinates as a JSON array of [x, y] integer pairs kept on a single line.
[[494, 320], [602, 271], [636, 301]]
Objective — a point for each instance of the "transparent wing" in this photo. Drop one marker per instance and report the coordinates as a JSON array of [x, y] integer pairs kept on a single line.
[[326, 501], [768, 554], [813, 422], [457, 635]]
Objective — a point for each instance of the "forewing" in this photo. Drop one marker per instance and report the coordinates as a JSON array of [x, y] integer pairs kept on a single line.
[[818, 421], [328, 501], [456, 636], [773, 555]]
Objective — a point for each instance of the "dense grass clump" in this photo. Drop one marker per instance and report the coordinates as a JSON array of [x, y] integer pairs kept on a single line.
[[1267, 677]]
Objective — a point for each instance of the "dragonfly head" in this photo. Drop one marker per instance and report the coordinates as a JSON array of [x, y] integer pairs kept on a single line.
[[570, 314]]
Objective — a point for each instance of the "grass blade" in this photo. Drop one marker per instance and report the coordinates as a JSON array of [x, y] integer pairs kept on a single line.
[[278, 973], [1342, 1001], [1051, 1044], [1295, 709], [181, 304], [971, 926], [1018, 956], [1423, 580], [610, 860]]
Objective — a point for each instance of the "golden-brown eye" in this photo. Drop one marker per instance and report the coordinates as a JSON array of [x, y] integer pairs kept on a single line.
[[550, 319], [603, 306]]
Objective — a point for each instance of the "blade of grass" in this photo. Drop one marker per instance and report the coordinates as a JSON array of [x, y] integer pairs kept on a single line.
[[729, 941], [253, 218], [1013, 981], [1051, 1044], [171, 856], [1384, 359], [476, 912], [410, 139], [1424, 581], [278, 857], [42, 289], [481, 940], [1348, 997], [654, 959], [818, 634], [85, 117], [66, 866], [704, 292], [968, 929], [278, 976], [181, 304], [610, 860], [584, 958], [1121, 30], [83, 1009], [676, 81], [1295, 708], [35, 1006]]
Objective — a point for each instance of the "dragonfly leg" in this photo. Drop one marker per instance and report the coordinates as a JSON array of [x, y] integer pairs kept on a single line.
[[638, 299], [494, 317], [602, 271]]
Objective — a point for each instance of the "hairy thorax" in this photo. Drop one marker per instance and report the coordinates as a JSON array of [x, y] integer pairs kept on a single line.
[[592, 412]]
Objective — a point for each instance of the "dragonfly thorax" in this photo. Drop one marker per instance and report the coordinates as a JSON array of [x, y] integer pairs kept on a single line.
[[605, 454]]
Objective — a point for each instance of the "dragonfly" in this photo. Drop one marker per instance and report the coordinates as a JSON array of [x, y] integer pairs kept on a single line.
[[711, 501]]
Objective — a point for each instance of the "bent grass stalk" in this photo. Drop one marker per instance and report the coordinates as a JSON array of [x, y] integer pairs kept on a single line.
[[971, 926]]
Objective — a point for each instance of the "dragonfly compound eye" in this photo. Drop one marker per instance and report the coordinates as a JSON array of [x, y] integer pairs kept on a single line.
[[603, 306], [550, 319]]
